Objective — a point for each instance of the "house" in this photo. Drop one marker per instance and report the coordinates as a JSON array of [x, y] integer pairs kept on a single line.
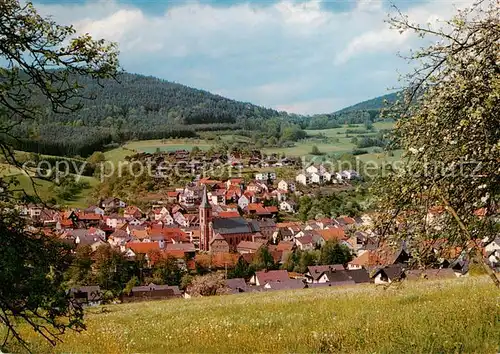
[[334, 276], [288, 206], [312, 169], [248, 247], [94, 209], [237, 285], [113, 203], [290, 284], [314, 273], [33, 211], [492, 246], [283, 185], [430, 274], [303, 179], [132, 212], [316, 178], [286, 186], [87, 295], [152, 292], [267, 227], [262, 277], [172, 196], [335, 234], [349, 175], [306, 243], [365, 260], [359, 276], [244, 200], [84, 237], [388, 274], [265, 176], [218, 244]]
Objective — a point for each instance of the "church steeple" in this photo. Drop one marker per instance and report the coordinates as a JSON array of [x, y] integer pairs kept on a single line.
[[205, 219], [204, 199]]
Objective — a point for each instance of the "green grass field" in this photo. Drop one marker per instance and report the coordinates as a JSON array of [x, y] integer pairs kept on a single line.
[[453, 316], [333, 141], [167, 145], [42, 188]]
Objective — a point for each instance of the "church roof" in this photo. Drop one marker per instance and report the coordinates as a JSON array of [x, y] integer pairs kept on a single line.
[[236, 225]]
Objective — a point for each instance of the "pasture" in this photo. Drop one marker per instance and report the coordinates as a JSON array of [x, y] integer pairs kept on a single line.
[[450, 316]]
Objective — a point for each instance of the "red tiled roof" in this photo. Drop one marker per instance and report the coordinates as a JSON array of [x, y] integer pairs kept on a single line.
[[284, 246], [228, 214], [272, 275], [90, 216], [332, 234], [143, 247], [367, 259]]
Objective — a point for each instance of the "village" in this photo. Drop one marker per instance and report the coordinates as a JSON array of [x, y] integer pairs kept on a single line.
[[219, 225]]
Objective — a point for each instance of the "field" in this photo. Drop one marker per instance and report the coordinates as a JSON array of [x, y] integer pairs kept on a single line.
[[42, 187], [453, 316], [330, 141], [167, 145]]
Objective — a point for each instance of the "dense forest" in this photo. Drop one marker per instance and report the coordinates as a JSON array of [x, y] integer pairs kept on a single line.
[[139, 107], [366, 111]]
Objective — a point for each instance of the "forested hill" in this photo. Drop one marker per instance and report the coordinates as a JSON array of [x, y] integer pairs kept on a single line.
[[140, 107], [359, 113], [376, 103], [144, 102]]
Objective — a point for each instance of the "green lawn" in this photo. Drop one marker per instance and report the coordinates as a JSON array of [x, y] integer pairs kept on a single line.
[[118, 154], [167, 145], [42, 189], [334, 141], [453, 316]]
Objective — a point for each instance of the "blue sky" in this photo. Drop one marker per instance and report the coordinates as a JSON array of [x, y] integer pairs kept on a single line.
[[300, 56]]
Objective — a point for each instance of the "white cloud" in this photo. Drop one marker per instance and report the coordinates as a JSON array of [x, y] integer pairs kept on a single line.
[[281, 55], [383, 38], [321, 105]]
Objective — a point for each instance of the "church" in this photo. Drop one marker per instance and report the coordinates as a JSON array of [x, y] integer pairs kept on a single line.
[[224, 234]]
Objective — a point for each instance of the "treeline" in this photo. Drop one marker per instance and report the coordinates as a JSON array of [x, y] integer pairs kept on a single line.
[[138, 107]]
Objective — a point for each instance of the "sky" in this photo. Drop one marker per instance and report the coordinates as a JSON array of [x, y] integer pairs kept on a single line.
[[303, 57]]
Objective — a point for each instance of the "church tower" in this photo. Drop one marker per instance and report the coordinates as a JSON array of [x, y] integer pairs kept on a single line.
[[205, 219]]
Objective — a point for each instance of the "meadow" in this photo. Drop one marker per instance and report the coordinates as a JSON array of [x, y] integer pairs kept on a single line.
[[328, 141], [452, 316], [34, 186]]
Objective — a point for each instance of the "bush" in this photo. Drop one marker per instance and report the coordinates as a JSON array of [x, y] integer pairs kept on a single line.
[[359, 152]]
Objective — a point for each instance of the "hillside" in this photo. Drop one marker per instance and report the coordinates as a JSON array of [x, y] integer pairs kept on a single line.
[[139, 107], [359, 113], [376, 103], [459, 315]]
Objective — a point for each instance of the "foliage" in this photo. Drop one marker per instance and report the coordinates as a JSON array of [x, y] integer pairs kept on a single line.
[[167, 271], [136, 107], [315, 151], [31, 271], [134, 281], [208, 285], [337, 204], [112, 270], [263, 259], [448, 128], [80, 272], [30, 48], [334, 253], [241, 270], [67, 187]]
